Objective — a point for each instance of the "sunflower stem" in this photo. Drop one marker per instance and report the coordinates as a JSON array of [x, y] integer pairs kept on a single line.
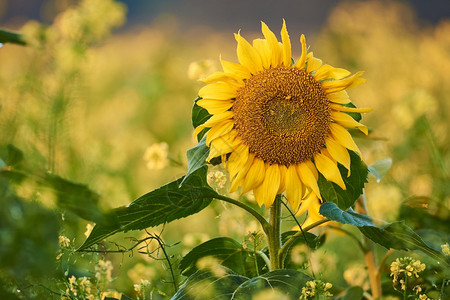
[[274, 234]]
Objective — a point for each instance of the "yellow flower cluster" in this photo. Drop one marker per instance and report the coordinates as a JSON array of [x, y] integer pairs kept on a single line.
[[315, 289], [406, 266], [103, 270], [156, 156], [64, 241], [445, 249], [81, 286], [217, 179]]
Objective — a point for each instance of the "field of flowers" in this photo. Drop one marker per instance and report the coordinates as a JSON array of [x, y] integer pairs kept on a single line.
[[91, 120]]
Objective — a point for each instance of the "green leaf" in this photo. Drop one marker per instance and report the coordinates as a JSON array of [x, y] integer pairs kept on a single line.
[[352, 293], [218, 284], [199, 116], [75, 197], [331, 192], [196, 158], [401, 237], [356, 116], [313, 241], [283, 284], [11, 37], [165, 204], [332, 212], [228, 251], [223, 284], [15, 155], [380, 168]]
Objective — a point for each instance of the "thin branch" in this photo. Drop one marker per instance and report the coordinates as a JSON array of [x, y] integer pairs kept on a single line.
[[161, 244], [264, 257]]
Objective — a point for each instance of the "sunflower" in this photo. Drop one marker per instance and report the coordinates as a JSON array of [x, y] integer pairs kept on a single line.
[[279, 123]]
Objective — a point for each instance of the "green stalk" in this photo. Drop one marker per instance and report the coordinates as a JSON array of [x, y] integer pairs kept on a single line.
[[11, 37], [274, 234]]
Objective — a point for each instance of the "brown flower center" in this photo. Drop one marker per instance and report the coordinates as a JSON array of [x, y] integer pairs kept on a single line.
[[282, 114]]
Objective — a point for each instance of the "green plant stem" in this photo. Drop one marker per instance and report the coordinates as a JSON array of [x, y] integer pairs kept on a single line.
[[265, 225], [288, 244], [11, 37], [274, 234], [264, 257], [369, 254]]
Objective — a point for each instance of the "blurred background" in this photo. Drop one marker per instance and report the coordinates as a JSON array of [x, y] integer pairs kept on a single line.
[[106, 88]]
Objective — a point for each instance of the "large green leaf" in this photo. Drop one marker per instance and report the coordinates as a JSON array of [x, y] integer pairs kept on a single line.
[[279, 284], [165, 204], [75, 197], [227, 251], [199, 116], [332, 212], [223, 284], [196, 158], [352, 293], [331, 192], [399, 236], [218, 284]]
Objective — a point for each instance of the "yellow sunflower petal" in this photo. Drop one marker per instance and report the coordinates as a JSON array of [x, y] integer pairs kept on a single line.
[[262, 46], [219, 130], [225, 77], [237, 160], [236, 70], [308, 177], [301, 61], [339, 153], [294, 187], [223, 145], [237, 181], [323, 72], [283, 171], [213, 120], [287, 57], [347, 121], [350, 109], [218, 90], [312, 63], [342, 84], [273, 45], [247, 55], [329, 169], [340, 97], [313, 214], [267, 190], [214, 106], [255, 175], [306, 203], [339, 73], [343, 137]]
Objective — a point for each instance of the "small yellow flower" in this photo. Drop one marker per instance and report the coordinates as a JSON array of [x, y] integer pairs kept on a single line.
[[103, 270], [217, 178], [445, 249], [316, 289], [156, 156], [88, 231], [64, 241]]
